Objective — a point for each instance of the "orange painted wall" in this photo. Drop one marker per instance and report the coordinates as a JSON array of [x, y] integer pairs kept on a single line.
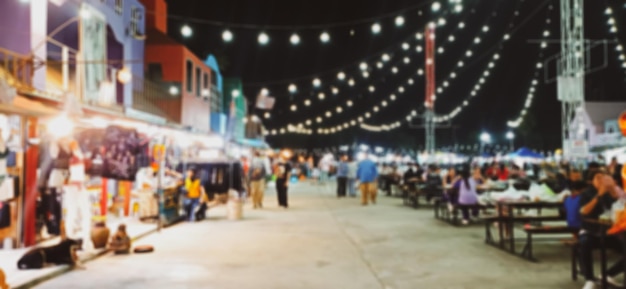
[[156, 14], [190, 110]]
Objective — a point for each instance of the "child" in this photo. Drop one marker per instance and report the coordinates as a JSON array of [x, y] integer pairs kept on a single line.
[[120, 243], [572, 206]]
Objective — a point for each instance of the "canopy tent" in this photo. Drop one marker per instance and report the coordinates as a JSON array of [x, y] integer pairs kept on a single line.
[[525, 152]]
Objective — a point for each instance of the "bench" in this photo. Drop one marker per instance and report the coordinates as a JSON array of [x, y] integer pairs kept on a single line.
[[444, 212], [506, 224], [531, 230]]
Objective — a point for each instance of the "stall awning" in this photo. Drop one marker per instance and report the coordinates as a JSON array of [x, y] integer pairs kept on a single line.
[[254, 143], [24, 106]]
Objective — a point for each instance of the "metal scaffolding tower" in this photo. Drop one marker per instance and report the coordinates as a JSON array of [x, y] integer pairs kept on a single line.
[[571, 77]]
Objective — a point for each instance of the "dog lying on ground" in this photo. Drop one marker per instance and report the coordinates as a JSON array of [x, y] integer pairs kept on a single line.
[[63, 253]]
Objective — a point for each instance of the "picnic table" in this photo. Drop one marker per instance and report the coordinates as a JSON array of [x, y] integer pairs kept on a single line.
[[506, 219]]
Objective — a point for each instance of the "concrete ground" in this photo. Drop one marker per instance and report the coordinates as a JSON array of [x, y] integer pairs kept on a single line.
[[323, 242]]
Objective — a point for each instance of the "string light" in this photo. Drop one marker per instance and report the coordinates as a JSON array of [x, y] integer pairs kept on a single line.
[[263, 38], [325, 37], [227, 36], [376, 28], [341, 75], [294, 39], [399, 21], [293, 88]]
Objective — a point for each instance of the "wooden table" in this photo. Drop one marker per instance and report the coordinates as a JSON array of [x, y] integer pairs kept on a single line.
[[506, 220]]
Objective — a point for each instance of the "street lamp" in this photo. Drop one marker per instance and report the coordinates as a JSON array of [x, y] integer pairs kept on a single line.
[[510, 136], [485, 138]]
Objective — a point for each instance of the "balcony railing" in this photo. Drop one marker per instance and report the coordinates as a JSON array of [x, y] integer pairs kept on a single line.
[[153, 97], [17, 69]]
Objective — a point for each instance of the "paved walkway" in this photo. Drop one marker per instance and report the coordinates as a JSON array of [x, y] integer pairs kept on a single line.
[[323, 242]]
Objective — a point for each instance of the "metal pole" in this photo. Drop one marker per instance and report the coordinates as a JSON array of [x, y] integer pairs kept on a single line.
[[430, 89]]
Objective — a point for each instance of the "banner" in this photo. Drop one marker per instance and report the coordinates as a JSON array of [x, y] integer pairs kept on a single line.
[[94, 51], [265, 102]]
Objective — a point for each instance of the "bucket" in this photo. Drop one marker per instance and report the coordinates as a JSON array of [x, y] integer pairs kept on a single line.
[[235, 210], [7, 244]]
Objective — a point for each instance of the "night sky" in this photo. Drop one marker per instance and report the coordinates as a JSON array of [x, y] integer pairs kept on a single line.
[[499, 100]]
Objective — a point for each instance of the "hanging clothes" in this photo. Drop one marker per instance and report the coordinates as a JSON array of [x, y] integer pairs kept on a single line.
[[5, 215], [120, 160], [91, 143]]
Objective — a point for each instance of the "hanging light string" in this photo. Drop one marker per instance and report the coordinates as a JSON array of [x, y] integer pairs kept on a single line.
[[329, 113], [477, 87], [533, 84], [369, 20], [413, 113], [360, 119], [400, 62], [487, 72], [370, 61], [612, 24]]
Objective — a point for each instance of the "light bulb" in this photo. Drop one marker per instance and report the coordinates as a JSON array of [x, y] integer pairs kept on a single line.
[[227, 36], [376, 28], [294, 39], [399, 21], [263, 38]]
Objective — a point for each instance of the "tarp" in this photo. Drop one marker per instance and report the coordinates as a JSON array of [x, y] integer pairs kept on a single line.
[[525, 152]]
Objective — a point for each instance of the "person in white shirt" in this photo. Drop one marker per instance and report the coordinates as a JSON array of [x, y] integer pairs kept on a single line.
[[352, 168]]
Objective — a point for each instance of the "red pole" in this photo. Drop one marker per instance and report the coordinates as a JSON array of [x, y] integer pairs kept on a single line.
[[430, 66], [31, 191], [104, 198]]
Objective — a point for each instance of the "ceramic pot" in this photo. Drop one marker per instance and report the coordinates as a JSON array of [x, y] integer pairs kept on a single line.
[[100, 235]]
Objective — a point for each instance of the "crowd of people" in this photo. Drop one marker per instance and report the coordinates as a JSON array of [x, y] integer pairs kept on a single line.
[[593, 192]]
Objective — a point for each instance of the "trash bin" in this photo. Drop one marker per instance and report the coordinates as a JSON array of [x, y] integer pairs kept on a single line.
[[235, 209]]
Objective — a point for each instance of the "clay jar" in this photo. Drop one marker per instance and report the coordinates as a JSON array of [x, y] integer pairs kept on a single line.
[[100, 235]]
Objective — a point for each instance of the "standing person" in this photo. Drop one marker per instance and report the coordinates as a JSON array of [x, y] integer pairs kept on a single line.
[[283, 173], [324, 166], [352, 168], [594, 202], [342, 176], [367, 174], [256, 175], [467, 194], [615, 170], [195, 191]]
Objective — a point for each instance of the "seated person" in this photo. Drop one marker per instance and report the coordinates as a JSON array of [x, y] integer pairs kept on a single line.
[[412, 176], [120, 242], [572, 206], [434, 182], [595, 201]]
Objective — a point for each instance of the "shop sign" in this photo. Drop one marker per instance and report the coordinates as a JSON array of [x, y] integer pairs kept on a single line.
[[577, 149]]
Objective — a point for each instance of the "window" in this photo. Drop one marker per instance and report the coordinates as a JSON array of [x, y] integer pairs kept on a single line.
[[206, 81], [189, 76], [198, 81], [155, 71], [119, 6], [213, 78], [135, 19]]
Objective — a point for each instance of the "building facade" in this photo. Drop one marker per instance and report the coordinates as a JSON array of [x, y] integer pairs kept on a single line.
[[78, 47], [191, 83]]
